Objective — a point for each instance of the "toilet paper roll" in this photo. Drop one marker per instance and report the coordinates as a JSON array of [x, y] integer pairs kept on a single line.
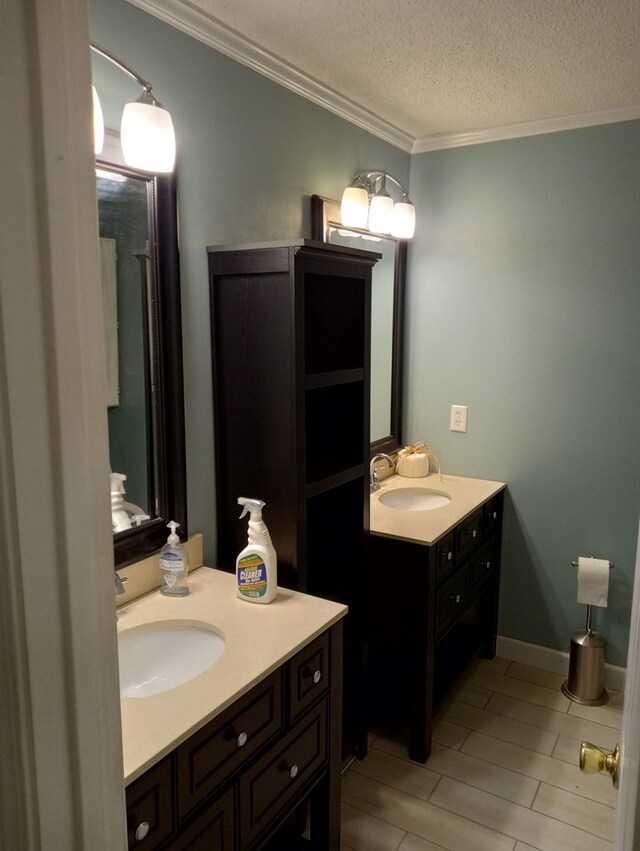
[[593, 581]]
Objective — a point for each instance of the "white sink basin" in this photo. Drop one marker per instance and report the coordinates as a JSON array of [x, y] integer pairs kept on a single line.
[[414, 499], [161, 656]]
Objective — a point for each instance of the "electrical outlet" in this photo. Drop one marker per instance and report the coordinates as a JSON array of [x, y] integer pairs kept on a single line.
[[458, 420]]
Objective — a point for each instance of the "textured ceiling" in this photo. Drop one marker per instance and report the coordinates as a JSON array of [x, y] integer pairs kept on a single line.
[[433, 67]]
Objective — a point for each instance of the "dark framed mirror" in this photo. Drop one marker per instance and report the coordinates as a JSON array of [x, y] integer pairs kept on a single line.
[[143, 340], [387, 320]]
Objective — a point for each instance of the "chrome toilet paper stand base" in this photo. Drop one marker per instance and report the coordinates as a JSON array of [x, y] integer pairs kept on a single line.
[[585, 683]]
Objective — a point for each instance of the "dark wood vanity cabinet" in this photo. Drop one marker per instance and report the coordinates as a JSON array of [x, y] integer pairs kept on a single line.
[[291, 328], [259, 773], [431, 610]]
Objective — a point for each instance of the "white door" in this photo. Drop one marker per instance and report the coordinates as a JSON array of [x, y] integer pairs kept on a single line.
[[627, 818]]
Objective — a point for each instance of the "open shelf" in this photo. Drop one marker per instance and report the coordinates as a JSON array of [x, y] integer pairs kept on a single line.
[[462, 643], [334, 434], [335, 320]]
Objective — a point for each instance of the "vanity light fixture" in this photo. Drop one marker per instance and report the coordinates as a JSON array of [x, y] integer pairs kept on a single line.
[[367, 205], [146, 132]]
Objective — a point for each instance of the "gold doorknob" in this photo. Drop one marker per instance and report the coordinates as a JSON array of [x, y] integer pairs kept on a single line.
[[593, 760]]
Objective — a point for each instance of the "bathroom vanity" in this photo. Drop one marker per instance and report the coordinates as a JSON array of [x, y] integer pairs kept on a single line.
[[433, 583], [246, 754]]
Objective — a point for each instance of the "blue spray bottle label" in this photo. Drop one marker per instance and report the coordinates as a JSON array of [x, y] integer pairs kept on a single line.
[[252, 576]]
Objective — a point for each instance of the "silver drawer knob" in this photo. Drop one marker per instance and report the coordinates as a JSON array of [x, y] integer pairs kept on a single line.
[[141, 830], [293, 771], [455, 598], [474, 533], [317, 676], [487, 565], [495, 515], [241, 741]]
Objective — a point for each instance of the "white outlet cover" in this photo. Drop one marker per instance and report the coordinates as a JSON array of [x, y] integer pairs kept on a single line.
[[458, 421]]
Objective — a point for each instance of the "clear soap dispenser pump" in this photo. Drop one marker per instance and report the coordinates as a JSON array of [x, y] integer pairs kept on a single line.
[[174, 565]]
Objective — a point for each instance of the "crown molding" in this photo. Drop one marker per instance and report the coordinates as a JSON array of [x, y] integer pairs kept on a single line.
[[184, 16], [529, 128]]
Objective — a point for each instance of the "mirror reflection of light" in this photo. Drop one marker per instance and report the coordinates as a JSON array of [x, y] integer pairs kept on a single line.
[[111, 175]]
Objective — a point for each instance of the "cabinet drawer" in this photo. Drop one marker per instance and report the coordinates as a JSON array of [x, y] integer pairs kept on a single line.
[[491, 516], [150, 808], [269, 788], [214, 830], [468, 534], [308, 675], [482, 568], [445, 560], [212, 754], [451, 600]]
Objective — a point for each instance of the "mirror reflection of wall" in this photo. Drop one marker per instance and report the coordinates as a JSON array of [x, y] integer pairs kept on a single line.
[[382, 294], [124, 216]]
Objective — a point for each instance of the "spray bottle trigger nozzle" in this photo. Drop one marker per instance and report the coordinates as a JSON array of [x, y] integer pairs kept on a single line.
[[253, 506]]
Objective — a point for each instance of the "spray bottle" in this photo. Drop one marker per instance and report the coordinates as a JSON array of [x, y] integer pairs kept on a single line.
[[256, 565]]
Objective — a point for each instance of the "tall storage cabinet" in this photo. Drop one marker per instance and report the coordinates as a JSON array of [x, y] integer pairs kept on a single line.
[[291, 330]]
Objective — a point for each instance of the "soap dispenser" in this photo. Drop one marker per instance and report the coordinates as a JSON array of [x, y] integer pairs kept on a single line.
[[174, 565]]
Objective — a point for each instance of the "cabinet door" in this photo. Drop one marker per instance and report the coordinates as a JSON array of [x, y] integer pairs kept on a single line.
[[445, 560], [492, 516], [214, 830], [150, 808], [309, 675], [272, 785], [212, 754], [483, 567], [451, 600], [468, 534]]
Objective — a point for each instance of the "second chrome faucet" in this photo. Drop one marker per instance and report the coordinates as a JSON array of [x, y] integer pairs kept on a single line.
[[374, 481]]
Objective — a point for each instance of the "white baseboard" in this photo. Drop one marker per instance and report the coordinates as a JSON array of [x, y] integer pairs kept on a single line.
[[556, 661]]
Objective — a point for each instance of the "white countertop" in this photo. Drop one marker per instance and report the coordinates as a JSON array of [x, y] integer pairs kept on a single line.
[[427, 527], [259, 638]]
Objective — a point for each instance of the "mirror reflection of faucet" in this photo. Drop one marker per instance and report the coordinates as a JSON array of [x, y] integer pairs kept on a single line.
[[124, 515], [374, 481]]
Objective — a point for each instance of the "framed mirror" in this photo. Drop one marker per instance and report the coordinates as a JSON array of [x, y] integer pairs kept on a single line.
[[387, 318], [143, 341]]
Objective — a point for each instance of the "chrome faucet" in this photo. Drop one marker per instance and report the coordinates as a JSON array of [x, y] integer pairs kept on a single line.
[[120, 589], [374, 481]]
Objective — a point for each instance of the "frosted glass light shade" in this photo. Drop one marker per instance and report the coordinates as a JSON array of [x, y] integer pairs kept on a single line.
[[404, 220], [354, 208], [98, 123], [381, 213], [147, 137]]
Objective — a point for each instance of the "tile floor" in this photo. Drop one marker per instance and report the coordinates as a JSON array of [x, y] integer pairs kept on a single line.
[[503, 775]]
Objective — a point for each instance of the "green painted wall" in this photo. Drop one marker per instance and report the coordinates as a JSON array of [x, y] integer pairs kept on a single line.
[[524, 303], [524, 300], [250, 155]]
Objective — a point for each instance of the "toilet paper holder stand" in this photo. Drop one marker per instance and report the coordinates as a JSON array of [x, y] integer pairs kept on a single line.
[[589, 606], [585, 683]]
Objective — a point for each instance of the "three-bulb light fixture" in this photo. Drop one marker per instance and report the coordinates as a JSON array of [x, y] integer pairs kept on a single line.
[[366, 205], [146, 132]]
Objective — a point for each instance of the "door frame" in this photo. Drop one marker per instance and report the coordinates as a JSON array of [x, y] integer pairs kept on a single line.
[[61, 774], [627, 816]]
